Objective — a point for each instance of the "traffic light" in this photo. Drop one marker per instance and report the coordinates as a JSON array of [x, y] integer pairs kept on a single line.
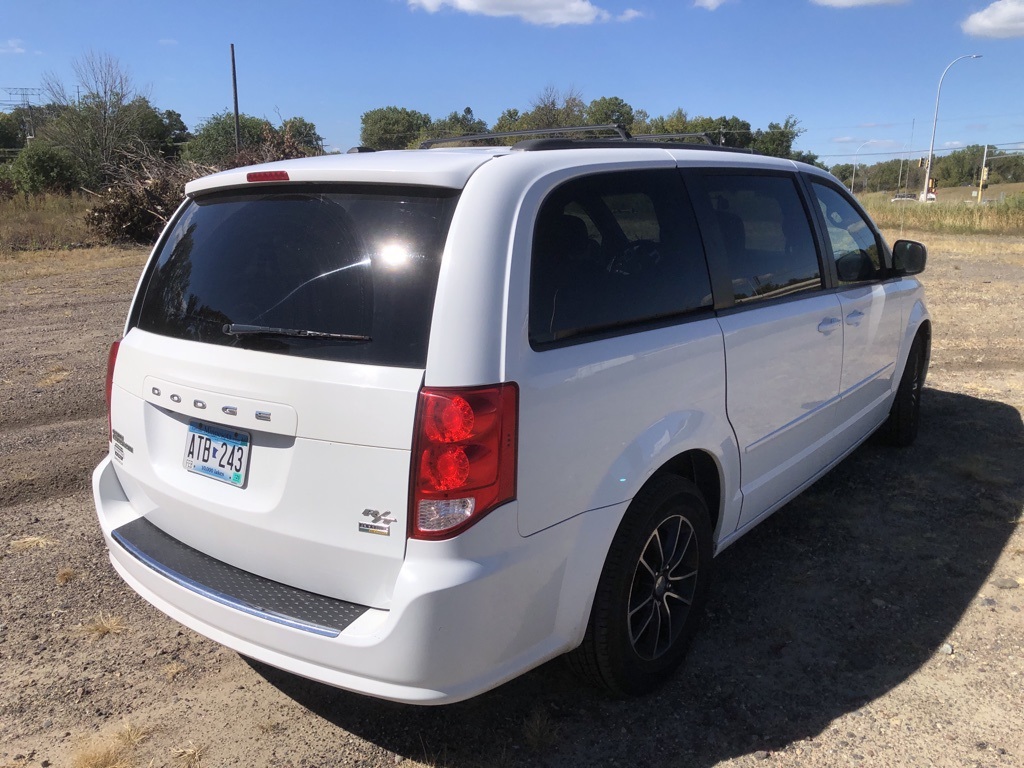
[[984, 173], [920, 163]]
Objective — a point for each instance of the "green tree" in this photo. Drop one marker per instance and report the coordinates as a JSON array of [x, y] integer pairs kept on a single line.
[[554, 109], [213, 144], [101, 122], [959, 167], [391, 127], [10, 132], [509, 120], [843, 172], [676, 121], [161, 132], [608, 110], [777, 140], [40, 167], [724, 131], [456, 124], [304, 134]]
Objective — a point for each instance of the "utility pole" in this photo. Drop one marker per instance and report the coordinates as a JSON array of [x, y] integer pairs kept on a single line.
[[234, 88], [983, 176]]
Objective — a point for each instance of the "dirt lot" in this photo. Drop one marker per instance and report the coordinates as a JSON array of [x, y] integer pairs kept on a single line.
[[876, 621]]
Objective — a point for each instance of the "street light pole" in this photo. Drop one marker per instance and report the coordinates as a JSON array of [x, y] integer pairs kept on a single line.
[[854, 177], [935, 122]]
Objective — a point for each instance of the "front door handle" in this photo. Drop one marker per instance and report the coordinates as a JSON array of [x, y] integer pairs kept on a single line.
[[828, 325], [854, 317]]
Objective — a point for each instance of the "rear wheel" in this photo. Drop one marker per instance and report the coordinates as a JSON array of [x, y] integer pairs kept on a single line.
[[652, 590], [905, 415]]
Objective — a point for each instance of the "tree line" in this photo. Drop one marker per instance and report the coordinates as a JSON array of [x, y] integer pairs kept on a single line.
[[961, 167], [395, 127], [103, 130]]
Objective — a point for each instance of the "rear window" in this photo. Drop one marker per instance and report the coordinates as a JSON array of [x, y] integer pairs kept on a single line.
[[333, 272]]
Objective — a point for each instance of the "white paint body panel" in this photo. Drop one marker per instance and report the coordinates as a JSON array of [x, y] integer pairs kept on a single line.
[[771, 400], [783, 381]]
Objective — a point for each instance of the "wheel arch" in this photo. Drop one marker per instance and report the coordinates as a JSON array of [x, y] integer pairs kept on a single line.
[[700, 468]]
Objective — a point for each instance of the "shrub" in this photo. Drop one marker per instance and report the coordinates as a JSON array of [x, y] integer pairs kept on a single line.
[[7, 186], [40, 167]]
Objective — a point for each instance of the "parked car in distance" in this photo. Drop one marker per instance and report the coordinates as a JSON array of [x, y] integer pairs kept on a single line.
[[411, 423], [902, 197]]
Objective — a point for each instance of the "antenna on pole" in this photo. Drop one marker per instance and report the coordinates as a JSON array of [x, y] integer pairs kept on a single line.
[[234, 89]]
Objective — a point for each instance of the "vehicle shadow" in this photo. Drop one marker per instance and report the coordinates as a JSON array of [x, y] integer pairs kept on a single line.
[[832, 602]]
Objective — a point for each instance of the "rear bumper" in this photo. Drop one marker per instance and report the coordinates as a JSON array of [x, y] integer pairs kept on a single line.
[[467, 614]]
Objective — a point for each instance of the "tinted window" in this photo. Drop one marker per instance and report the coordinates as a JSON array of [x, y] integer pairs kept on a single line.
[[613, 250], [767, 236], [854, 246], [357, 262]]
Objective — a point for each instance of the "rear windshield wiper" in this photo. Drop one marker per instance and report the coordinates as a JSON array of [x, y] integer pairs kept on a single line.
[[238, 329]]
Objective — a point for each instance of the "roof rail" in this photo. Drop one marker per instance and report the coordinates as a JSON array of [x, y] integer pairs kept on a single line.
[[623, 137], [538, 145], [650, 136], [623, 134]]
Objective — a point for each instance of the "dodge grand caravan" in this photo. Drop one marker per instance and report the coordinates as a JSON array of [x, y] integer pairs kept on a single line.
[[411, 423]]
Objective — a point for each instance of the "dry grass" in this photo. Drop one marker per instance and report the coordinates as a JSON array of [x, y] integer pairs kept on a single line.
[[66, 576], [31, 542], [104, 624], [539, 730], [113, 751], [191, 756], [103, 756], [54, 375], [952, 215], [172, 670], [44, 222], [21, 265]]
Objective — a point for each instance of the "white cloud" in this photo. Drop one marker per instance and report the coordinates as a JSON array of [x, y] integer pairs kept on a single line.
[[855, 3], [12, 46], [552, 13], [709, 5], [844, 140], [953, 144], [167, 41], [1004, 18]]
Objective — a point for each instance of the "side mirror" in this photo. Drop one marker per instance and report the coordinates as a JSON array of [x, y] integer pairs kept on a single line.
[[908, 257]]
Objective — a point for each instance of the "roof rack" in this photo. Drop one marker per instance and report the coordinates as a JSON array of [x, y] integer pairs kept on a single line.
[[623, 134], [623, 137]]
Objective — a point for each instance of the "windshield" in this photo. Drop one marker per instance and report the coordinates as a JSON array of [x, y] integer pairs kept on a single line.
[[350, 272]]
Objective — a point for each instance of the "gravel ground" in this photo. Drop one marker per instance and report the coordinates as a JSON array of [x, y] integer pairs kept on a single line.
[[875, 621]]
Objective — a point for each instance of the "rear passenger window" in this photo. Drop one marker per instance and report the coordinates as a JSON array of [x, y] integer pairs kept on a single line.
[[854, 246], [614, 250], [768, 239]]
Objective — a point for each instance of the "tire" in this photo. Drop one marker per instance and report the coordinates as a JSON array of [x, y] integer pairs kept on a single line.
[[652, 591], [905, 414]]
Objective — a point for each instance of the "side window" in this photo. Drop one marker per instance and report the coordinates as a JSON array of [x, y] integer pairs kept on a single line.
[[767, 236], [854, 246], [613, 250]]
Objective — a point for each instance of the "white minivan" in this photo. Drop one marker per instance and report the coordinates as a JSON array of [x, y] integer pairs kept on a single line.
[[411, 423]]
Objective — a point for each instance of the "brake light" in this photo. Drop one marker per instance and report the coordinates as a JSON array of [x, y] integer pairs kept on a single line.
[[111, 361], [267, 176], [463, 457]]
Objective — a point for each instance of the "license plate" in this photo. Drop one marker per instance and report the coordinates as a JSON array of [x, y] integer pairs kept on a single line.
[[217, 452]]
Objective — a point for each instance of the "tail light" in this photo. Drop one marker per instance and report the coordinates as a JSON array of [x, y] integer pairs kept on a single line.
[[463, 458], [111, 361]]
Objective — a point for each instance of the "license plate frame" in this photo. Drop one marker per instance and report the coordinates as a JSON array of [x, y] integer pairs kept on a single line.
[[217, 452]]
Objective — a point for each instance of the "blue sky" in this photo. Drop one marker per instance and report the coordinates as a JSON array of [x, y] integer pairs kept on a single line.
[[860, 75]]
